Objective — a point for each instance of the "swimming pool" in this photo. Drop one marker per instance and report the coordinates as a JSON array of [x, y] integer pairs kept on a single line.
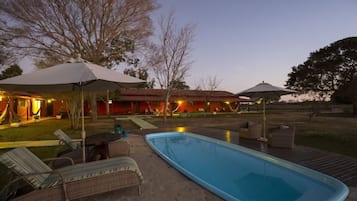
[[237, 173]]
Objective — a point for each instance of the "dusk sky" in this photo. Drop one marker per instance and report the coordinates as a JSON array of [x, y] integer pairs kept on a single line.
[[244, 42]]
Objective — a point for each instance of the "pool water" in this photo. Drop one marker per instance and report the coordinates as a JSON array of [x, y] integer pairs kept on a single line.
[[237, 173]]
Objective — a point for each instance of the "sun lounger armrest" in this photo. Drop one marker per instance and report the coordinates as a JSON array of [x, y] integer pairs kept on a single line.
[[59, 158], [60, 180]]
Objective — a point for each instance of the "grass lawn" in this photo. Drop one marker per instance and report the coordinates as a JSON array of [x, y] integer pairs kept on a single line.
[[331, 133]]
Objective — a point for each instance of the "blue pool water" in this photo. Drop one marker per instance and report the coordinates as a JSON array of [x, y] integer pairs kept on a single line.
[[237, 173]]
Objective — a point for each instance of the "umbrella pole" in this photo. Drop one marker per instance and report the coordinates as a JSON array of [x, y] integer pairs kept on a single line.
[[264, 139], [264, 120], [83, 130]]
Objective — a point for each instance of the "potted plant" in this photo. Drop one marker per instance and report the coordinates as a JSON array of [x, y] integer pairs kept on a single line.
[[15, 122], [58, 116], [59, 113], [36, 117]]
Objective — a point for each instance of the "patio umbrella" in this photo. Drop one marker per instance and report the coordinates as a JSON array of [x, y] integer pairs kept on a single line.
[[77, 76], [264, 90]]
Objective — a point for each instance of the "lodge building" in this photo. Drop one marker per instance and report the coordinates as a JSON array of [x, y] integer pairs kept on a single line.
[[129, 101]]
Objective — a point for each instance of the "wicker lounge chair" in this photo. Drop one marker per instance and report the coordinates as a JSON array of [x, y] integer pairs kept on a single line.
[[64, 138], [71, 182], [106, 148], [282, 136], [250, 130], [74, 152]]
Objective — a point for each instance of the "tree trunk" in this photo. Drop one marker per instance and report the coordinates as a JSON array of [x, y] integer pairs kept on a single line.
[[73, 110], [165, 106], [11, 109], [167, 97], [354, 107], [107, 104]]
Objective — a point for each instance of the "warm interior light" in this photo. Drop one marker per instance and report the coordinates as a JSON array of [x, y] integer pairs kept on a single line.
[[0, 98], [49, 100], [179, 102], [227, 102]]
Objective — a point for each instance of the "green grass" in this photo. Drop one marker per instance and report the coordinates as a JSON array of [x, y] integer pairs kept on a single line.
[[344, 144], [37, 131]]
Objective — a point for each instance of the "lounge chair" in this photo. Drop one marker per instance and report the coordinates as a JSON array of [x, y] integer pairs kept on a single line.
[[71, 182], [96, 147], [64, 138], [282, 136], [250, 130], [74, 152]]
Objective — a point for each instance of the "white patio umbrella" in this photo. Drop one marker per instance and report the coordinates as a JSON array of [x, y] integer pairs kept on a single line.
[[264, 90], [77, 76]]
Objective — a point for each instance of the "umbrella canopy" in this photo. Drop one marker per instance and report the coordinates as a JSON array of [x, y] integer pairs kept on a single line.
[[264, 90], [78, 76], [68, 77]]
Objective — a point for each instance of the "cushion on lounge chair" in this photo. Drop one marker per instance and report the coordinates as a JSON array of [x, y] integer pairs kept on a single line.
[[118, 148], [98, 168], [66, 139], [72, 182], [250, 130], [24, 162]]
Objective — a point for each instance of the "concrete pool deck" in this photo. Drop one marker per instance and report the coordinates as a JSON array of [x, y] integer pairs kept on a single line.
[[162, 182]]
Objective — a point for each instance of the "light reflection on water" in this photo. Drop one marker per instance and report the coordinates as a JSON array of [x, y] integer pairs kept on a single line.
[[228, 136], [181, 129]]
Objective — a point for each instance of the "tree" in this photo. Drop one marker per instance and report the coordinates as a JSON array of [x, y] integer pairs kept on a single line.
[[104, 32], [5, 56], [170, 55], [141, 73], [12, 71], [178, 84], [329, 70], [211, 83]]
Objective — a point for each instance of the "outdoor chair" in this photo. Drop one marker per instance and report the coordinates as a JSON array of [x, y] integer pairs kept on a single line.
[[250, 130], [74, 152], [282, 136], [96, 148], [65, 139], [118, 148], [110, 149], [71, 182]]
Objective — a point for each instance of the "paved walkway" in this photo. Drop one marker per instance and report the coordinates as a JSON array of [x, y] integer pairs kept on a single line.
[[142, 123]]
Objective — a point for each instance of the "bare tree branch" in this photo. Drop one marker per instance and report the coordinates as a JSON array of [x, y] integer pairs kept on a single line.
[[102, 31], [211, 83], [170, 59], [105, 32]]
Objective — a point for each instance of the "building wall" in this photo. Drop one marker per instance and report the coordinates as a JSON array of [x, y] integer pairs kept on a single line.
[[144, 107]]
